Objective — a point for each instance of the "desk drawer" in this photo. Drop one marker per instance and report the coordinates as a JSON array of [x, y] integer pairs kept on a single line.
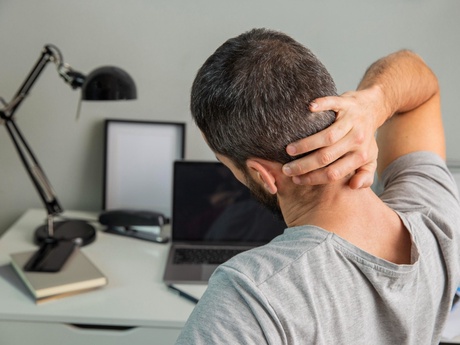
[[37, 333]]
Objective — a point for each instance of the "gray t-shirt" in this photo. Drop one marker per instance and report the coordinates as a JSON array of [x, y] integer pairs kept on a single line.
[[309, 286]]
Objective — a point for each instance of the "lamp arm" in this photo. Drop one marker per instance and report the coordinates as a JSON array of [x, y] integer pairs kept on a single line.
[[33, 168], [50, 53], [30, 162]]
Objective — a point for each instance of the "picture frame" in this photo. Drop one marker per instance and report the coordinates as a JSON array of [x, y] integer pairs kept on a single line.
[[138, 164]]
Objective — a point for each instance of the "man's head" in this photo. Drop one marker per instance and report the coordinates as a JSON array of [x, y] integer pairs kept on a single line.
[[251, 97], [250, 100]]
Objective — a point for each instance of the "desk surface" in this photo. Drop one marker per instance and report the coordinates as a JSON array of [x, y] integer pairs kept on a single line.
[[135, 294]]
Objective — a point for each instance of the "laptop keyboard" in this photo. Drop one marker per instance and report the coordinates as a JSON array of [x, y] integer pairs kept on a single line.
[[211, 256]]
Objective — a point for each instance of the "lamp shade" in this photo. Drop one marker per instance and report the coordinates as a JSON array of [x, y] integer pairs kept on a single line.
[[108, 83]]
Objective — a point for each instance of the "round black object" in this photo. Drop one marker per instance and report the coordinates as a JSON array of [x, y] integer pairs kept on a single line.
[[108, 83], [67, 230]]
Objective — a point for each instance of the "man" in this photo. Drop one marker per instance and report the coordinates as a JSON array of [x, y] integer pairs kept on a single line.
[[351, 268]]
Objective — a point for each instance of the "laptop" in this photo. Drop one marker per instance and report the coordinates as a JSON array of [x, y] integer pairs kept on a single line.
[[214, 217]]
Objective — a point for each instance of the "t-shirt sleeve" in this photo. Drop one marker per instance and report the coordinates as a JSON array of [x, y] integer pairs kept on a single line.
[[421, 180], [232, 311]]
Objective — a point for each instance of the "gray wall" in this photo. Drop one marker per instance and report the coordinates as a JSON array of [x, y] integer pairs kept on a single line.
[[162, 44]]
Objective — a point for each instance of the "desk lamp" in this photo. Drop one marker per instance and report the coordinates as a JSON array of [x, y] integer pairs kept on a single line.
[[58, 239]]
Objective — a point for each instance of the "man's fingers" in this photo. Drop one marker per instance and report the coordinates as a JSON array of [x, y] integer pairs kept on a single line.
[[364, 176], [325, 138], [314, 161], [311, 143], [331, 173], [331, 147], [326, 103]]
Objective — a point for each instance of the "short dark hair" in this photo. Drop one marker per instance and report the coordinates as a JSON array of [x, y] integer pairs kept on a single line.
[[250, 98]]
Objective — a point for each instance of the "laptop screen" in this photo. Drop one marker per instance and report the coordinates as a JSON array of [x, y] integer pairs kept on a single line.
[[211, 205]]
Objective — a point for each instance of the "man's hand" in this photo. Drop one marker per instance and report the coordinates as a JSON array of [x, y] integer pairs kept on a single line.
[[348, 146]]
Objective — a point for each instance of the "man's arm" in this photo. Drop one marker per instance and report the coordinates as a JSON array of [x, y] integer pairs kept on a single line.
[[399, 84], [414, 102]]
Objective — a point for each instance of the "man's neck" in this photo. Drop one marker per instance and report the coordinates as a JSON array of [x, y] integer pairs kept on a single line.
[[331, 206], [358, 216]]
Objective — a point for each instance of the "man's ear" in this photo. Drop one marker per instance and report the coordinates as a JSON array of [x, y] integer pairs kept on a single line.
[[262, 173]]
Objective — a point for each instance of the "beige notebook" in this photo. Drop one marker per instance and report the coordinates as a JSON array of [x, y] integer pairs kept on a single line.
[[78, 274]]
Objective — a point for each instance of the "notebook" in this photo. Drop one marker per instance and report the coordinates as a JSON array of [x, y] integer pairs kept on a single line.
[[78, 275], [212, 214]]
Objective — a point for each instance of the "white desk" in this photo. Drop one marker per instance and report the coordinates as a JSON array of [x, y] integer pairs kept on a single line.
[[135, 307]]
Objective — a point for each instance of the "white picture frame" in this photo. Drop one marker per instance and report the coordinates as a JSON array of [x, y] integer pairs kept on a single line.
[[138, 164]]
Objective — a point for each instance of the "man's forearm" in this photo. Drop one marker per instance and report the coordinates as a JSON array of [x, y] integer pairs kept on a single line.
[[408, 90], [404, 79]]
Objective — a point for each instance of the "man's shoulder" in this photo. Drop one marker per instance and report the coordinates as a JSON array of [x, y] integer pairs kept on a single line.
[[412, 163], [260, 263], [420, 177]]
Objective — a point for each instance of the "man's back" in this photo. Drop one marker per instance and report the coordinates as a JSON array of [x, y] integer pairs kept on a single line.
[[311, 286]]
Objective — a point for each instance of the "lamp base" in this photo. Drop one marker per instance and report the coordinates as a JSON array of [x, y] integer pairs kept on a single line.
[[67, 230]]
